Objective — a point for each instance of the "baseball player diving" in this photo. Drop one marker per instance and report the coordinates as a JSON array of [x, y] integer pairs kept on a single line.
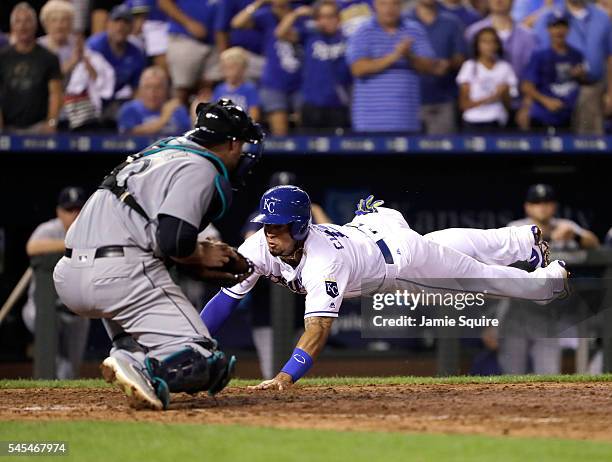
[[148, 212], [329, 262]]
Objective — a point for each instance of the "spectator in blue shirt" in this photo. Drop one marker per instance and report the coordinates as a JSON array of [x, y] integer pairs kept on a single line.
[[191, 56], [439, 93], [234, 63], [151, 113], [551, 81], [250, 40], [464, 13], [325, 76], [280, 80], [125, 58], [385, 54], [591, 34]]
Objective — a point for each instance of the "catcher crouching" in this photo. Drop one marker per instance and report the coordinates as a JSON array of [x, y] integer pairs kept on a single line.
[[148, 211]]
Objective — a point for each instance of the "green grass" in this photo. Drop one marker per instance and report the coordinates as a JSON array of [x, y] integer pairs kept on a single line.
[[150, 442], [338, 381]]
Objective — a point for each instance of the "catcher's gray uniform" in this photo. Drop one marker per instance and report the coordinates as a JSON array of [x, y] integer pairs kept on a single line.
[[134, 292], [73, 329]]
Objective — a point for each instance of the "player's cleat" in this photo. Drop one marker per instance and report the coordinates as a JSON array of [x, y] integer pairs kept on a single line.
[[540, 253], [136, 386], [567, 290]]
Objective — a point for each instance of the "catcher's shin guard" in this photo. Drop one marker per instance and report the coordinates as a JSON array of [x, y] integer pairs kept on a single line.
[[189, 371]]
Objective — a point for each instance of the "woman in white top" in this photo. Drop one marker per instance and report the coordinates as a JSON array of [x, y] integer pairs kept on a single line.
[[486, 84]]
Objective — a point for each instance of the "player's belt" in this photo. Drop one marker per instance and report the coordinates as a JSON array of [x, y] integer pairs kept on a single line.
[[103, 252], [382, 245]]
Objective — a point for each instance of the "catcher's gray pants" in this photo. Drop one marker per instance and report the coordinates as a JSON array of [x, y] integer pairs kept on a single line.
[[133, 294]]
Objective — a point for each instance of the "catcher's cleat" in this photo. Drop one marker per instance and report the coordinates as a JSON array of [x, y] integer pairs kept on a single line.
[[136, 386], [540, 253]]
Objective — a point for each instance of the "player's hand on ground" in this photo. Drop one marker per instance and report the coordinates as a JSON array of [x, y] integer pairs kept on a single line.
[[281, 382]]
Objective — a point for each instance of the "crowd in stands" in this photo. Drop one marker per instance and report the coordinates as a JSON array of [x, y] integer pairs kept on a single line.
[[412, 66]]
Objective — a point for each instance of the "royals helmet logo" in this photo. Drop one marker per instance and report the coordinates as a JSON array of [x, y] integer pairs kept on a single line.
[[268, 205], [331, 287]]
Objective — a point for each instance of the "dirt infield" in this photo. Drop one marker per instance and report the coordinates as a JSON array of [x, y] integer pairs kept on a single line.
[[565, 410]]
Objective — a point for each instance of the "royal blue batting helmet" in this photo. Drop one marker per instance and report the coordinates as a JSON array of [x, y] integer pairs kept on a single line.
[[286, 205]]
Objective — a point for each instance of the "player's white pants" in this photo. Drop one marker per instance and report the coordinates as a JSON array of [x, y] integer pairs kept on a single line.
[[465, 259]]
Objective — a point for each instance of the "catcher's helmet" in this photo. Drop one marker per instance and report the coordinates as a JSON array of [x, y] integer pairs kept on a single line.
[[284, 205], [222, 121]]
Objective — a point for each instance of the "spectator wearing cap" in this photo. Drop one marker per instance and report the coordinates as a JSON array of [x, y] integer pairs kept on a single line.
[[439, 93], [234, 63], [463, 11], [518, 41], [48, 239], [250, 40], [192, 58], [552, 80], [281, 75], [326, 77], [30, 78], [524, 343], [151, 112], [590, 33], [151, 26], [385, 56], [563, 234], [126, 59], [100, 10]]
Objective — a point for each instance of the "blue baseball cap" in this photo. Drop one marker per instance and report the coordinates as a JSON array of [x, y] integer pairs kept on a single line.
[[71, 197]]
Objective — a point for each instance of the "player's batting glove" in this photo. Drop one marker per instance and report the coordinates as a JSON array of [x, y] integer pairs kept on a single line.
[[368, 205]]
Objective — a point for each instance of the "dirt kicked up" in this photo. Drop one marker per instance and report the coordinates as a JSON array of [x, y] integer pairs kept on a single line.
[[563, 410]]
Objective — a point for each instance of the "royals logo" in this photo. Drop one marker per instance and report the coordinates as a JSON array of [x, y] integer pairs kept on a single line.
[[331, 287], [269, 205]]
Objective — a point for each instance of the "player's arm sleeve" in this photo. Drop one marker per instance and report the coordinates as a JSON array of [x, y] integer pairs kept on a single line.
[[176, 237], [221, 306], [325, 290], [189, 193]]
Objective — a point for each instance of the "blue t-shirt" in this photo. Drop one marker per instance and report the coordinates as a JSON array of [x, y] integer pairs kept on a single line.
[[127, 67], [249, 39], [445, 35], [134, 113], [466, 14], [282, 70], [549, 71], [326, 75], [390, 100], [245, 95], [203, 11], [591, 36]]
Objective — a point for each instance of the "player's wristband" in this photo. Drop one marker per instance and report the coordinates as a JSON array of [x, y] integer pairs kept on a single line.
[[298, 365]]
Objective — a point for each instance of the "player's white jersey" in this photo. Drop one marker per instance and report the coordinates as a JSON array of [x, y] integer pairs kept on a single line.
[[336, 261]]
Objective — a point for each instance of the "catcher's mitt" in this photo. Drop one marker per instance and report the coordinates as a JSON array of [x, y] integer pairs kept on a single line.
[[234, 271]]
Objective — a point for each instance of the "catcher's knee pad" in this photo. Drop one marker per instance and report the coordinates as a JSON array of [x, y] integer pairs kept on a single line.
[[125, 341], [189, 371]]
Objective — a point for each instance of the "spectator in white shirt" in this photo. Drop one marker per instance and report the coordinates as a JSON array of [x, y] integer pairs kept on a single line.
[[486, 84]]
